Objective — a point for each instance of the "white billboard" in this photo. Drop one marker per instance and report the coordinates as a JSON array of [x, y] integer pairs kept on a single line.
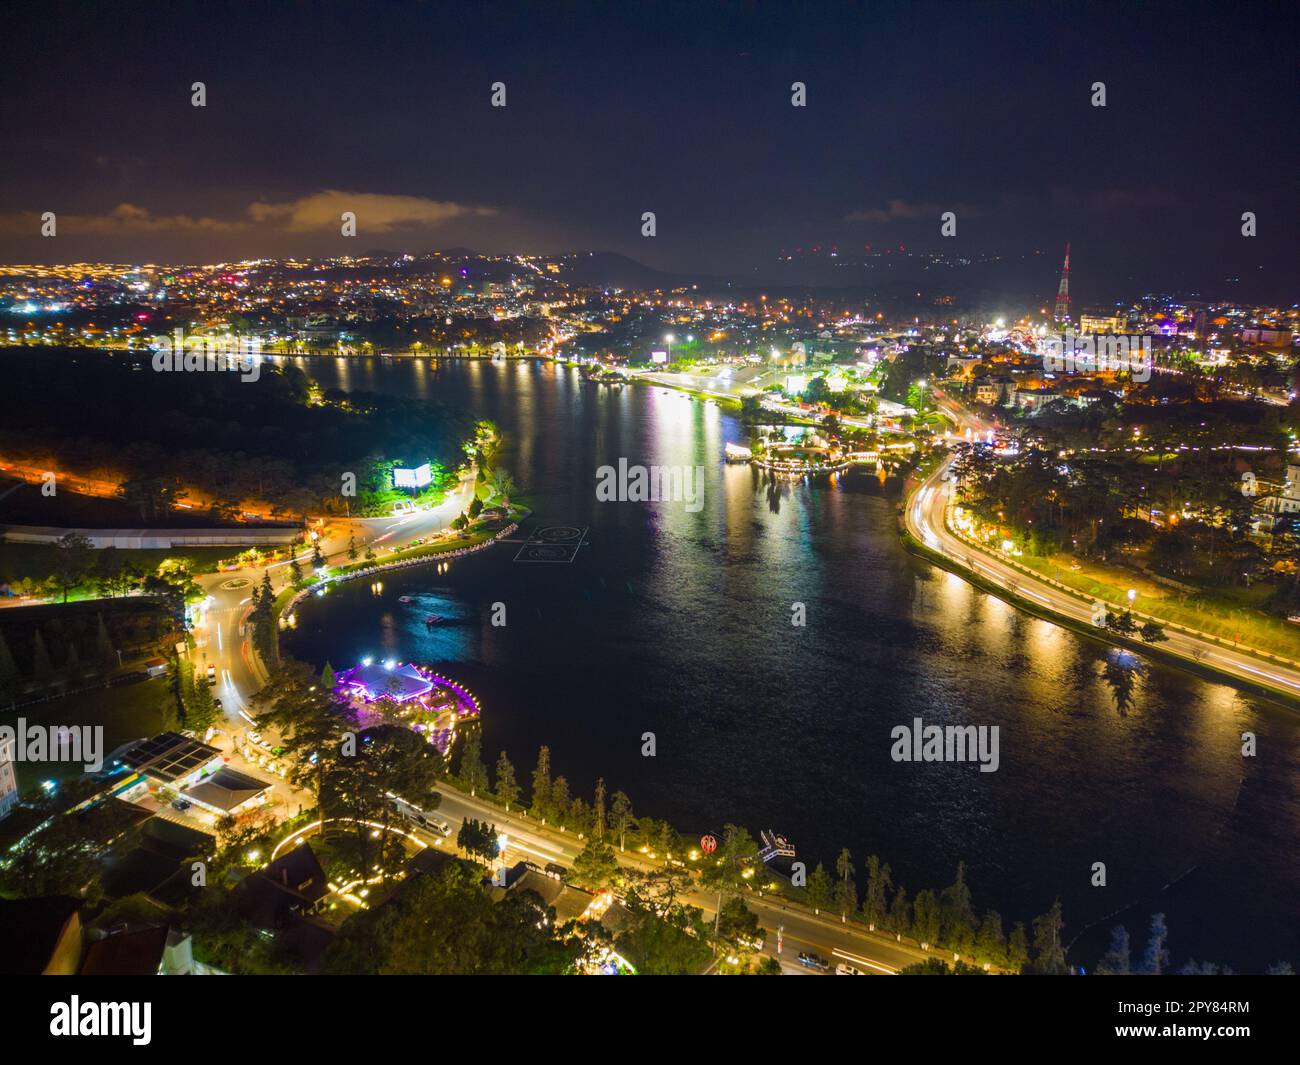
[[416, 478]]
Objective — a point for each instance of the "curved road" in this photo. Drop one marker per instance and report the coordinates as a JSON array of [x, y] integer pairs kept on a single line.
[[924, 517]]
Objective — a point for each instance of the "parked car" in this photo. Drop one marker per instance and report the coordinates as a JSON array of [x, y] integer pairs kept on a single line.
[[845, 969], [814, 961], [212, 674], [181, 804]]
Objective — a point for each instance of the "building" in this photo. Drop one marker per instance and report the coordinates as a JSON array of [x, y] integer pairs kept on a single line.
[[227, 791], [376, 681], [1277, 502], [1270, 338], [8, 777], [1102, 321], [292, 886]]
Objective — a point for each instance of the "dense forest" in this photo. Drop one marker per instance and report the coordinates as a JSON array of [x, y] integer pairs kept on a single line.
[[159, 434]]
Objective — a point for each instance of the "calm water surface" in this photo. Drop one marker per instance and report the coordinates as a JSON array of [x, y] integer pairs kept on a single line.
[[679, 624]]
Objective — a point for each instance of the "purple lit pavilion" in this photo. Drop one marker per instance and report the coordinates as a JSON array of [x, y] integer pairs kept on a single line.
[[426, 702], [400, 683]]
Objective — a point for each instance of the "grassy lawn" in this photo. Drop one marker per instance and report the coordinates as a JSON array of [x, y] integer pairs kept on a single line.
[[127, 712], [1229, 615]]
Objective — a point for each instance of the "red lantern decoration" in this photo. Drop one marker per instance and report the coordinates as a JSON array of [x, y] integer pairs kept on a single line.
[[708, 844]]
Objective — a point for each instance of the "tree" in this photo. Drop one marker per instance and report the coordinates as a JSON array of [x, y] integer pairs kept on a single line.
[[448, 924], [598, 809], [1049, 954], [620, 817], [507, 788], [957, 916], [361, 776], [327, 678], [317, 558], [596, 865], [733, 864], [1017, 948], [900, 914], [308, 718], [1116, 960], [818, 889], [471, 773], [295, 572], [738, 926], [1155, 959], [503, 485], [874, 903], [846, 891], [926, 918], [1152, 633], [560, 801], [478, 837], [990, 943], [352, 547], [72, 561], [541, 793]]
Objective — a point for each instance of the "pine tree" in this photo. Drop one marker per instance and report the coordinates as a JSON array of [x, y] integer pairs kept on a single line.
[[900, 914], [327, 678], [879, 881], [1116, 961], [957, 916], [819, 889], [507, 787], [472, 774], [1155, 959], [990, 943], [1017, 948], [352, 548], [620, 817], [925, 918], [846, 891], [1049, 954], [560, 800], [541, 799], [598, 809]]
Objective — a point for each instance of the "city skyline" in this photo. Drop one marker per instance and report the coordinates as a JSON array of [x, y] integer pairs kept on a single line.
[[904, 116]]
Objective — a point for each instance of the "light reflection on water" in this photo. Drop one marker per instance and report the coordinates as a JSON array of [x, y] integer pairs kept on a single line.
[[680, 623]]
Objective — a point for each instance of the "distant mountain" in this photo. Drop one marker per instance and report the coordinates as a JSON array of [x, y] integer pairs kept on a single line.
[[608, 269]]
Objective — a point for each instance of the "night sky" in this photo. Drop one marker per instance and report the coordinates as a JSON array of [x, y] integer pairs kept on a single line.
[[617, 109]]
